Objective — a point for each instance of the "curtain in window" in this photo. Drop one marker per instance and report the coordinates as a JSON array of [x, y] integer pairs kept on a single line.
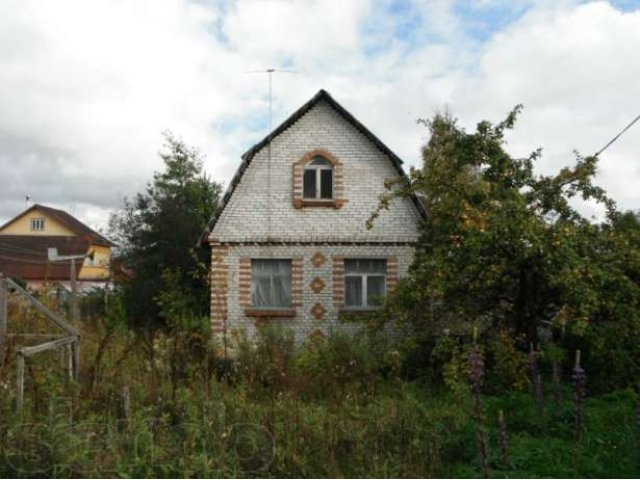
[[353, 291], [271, 283]]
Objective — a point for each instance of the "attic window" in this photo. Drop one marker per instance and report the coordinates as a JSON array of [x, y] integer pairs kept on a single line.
[[37, 224], [318, 179]]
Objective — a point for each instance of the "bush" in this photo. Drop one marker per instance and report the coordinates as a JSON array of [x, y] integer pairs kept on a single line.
[[266, 363], [507, 365], [335, 365]]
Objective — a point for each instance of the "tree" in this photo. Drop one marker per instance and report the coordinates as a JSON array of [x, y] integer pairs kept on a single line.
[[158, 231], [504, 248]]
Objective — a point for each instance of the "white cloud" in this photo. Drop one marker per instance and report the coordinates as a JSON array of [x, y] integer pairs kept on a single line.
[[87, 87], [575, 70]]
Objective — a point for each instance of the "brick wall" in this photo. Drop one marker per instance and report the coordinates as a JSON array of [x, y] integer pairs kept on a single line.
[[262, 206], [219, 287], [317, 286], [267, 218]]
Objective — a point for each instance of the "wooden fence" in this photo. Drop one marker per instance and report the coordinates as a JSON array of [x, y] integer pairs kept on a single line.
[[70, 340]]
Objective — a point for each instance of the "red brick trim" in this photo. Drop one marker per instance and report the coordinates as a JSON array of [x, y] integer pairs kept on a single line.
[[244, 282], [219, 287], [392, 273], [338, 181], [318, 311], [317, 285], [338, 281], [305, 202], [297, 275], [318, 259]]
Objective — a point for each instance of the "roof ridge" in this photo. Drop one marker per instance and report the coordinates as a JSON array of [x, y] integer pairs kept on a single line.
[[66, 219]]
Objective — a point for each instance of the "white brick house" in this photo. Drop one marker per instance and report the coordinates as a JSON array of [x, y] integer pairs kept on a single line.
[[289, 245]]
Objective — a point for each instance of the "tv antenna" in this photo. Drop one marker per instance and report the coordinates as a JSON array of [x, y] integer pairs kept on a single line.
[[270, 72]]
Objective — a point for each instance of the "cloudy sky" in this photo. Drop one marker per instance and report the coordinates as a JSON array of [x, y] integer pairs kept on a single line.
[[87, 87]]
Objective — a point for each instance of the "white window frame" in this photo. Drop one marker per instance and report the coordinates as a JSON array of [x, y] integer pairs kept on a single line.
[[37, 224], [365, 277], [318, 169]]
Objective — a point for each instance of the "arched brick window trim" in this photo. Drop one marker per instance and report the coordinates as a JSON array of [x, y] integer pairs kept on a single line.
[[338, 199]]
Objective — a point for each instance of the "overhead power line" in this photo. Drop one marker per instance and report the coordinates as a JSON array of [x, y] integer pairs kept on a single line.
[[24, 260], [18, 249], [618, 135]]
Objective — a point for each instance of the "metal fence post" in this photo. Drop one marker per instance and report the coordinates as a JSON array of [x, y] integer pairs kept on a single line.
[[4, 300], [75, 359], [19, 380]]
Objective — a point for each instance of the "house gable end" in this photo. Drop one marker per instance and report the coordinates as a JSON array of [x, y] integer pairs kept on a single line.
[[21, 224], [57, 222], [320, 125]]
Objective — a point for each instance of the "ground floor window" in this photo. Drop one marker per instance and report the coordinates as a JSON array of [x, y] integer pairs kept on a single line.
[[271, 283], [365, 282]]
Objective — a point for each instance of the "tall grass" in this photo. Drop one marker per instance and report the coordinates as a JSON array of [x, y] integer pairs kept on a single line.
[[171, 406]]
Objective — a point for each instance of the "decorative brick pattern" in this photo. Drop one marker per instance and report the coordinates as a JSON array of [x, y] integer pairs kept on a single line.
[[300, 319], [317, 336], [338, 181], [219, 287], [392, 273], [318, 259], [263, 220], [338, 281], [317, 285], [296, 281], [318, 311], [244, 282]]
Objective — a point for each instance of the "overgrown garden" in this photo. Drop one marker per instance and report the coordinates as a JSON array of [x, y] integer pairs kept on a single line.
[[511, 350]]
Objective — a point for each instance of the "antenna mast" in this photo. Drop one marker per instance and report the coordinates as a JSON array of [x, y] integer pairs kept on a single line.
[[270, 72]]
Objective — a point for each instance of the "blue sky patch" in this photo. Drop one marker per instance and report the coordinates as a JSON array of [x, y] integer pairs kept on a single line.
[[626, 5], [482, 21]]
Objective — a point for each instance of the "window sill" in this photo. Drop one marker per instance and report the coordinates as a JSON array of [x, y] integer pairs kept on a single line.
[[306, 202], [269, 313]]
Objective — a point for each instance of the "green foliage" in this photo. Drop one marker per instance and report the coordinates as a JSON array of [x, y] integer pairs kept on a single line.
[[267, 362], [336, 365], [504, 248], [158, 231], [508, 365], [322, 410], [450, 357]]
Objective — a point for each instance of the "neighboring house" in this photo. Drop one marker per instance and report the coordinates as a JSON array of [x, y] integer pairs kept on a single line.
[[25, 239], [289, 244]]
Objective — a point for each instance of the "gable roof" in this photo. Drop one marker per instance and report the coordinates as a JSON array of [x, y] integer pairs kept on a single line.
[[322, 95], [68, 221]]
